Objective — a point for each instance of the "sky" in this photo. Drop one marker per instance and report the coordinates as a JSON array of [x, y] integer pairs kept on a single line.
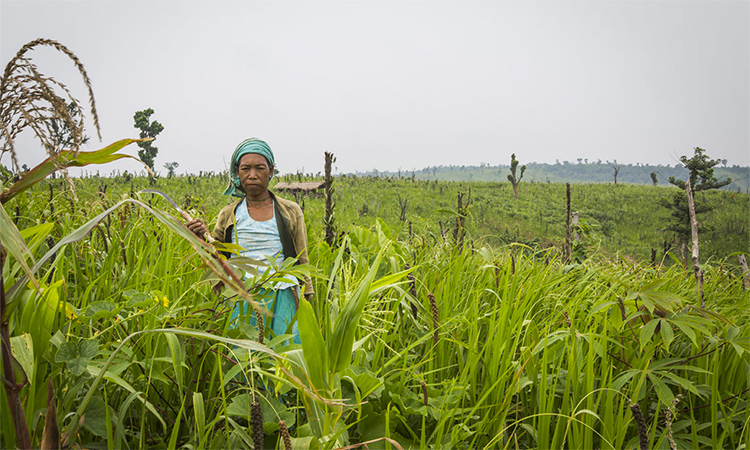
[[392, 85]]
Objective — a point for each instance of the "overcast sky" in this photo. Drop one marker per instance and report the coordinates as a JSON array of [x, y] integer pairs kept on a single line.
[[404, 84]]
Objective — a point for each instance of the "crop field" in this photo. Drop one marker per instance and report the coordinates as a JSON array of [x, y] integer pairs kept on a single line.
[[413, 338], [445, 315]]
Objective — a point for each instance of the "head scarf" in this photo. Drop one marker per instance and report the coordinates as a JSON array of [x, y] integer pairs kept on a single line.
[[251, 145]]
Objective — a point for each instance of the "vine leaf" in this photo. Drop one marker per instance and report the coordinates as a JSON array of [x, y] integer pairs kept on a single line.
[[77, 355]]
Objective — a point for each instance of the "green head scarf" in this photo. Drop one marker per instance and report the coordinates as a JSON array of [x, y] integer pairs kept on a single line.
[[251, 145]]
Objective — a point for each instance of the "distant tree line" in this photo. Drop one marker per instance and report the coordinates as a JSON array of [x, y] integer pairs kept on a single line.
[[579, 172]]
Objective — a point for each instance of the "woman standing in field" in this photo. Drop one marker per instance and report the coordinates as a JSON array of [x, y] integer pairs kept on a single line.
[[265, 226]]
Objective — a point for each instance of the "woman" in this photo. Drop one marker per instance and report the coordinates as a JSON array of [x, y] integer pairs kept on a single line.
[[264, 226]]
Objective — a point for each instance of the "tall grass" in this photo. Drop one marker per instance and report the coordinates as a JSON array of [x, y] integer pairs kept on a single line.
[[530, 352]]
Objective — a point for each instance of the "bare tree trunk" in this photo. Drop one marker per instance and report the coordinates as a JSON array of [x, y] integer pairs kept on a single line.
[[459, 210], [459, 231], [402, 205], [694, 230], [329, 219], [567, 247], [745, 271]]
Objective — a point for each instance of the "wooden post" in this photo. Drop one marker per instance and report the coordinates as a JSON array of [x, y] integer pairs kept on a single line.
[[459, 231], [328, 219], [459, 211], [694, 233], [574, 222]]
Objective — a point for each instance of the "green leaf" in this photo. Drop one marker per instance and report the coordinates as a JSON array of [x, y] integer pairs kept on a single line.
[[272, 410], [176, 429], [647, 302], [141, 300], [22, 348], [89, 348], [100, 373], [738, 348], [664, 362], [550, 340], [240, 406], [109, 376], [204, 250], [367, 382], [666, 333], [240, 432], [305, 443], [647, 332], [313, 346], [587, 411], [685, 328], [36, 234], [77, 355], [682, 382], [653, 286], [67, 158], [13, 242], [662, 390], [95, 417], [342, 339], [200, 413], [101, 310], [177, 357], [374, 424], [130, 293]]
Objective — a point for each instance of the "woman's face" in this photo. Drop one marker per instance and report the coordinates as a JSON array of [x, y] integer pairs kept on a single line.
[[254, 173]]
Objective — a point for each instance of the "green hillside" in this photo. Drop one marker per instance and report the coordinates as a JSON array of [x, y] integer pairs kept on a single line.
[[622, 219], [567, 172]]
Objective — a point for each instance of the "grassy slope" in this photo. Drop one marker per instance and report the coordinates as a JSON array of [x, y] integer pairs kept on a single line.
[[627, 219]]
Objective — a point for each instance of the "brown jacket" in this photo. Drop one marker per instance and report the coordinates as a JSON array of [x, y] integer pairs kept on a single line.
[[292, 230]]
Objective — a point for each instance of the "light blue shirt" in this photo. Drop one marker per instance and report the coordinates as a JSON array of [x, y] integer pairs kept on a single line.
[[259, 239]]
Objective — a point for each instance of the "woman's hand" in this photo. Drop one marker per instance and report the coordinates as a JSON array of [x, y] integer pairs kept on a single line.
[[198, 228]]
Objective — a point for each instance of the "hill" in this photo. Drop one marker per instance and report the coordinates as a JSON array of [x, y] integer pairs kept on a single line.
[[566, 172]]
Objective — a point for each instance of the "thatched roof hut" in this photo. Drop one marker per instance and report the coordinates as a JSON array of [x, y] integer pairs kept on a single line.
[[307, 187]]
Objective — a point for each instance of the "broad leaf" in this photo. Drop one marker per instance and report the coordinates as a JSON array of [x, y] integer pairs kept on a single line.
[[666, 333], [77, 355], [23, 351], [342, 339], [647, 332], [313, 347], [95, 419]]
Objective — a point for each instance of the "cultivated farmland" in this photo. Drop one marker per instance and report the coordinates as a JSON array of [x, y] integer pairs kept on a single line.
[[445, 315], [412, 340]]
